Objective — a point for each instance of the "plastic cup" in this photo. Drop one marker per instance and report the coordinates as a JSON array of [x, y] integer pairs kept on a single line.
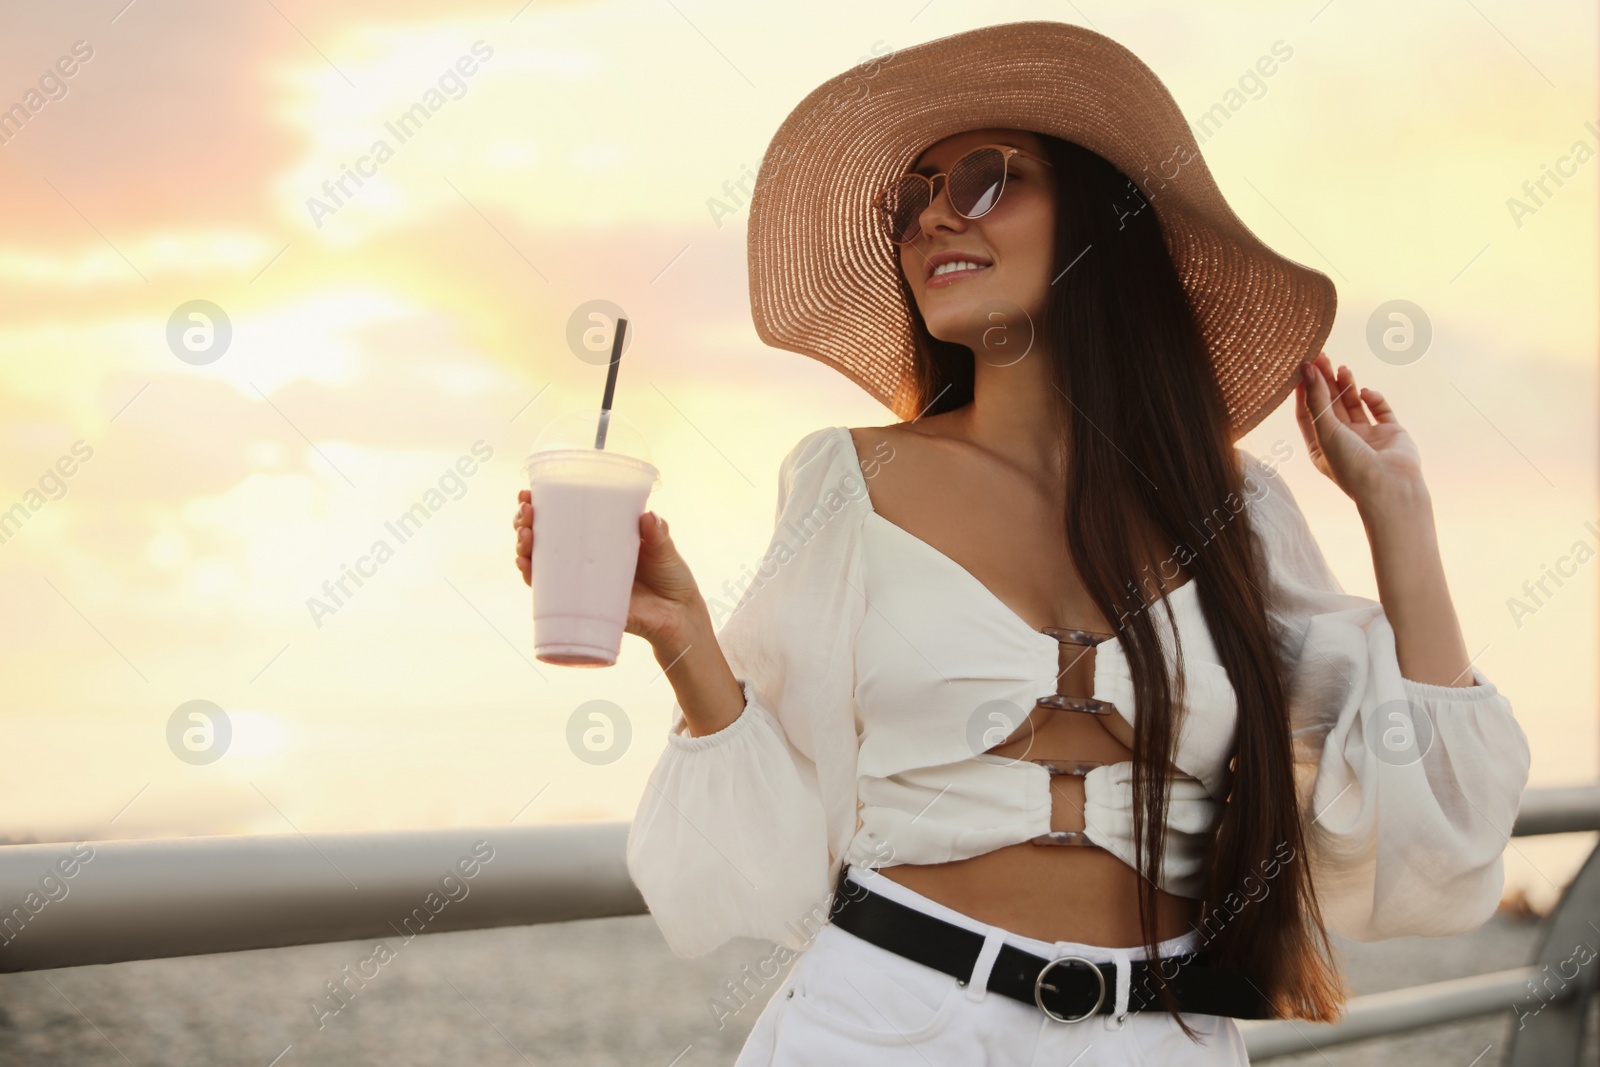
[[586, 508]]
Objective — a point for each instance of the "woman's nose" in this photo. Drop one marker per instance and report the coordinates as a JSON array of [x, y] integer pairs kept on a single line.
[[939, 209]]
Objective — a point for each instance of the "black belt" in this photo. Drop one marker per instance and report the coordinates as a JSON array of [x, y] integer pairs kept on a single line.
[[1067, 988]]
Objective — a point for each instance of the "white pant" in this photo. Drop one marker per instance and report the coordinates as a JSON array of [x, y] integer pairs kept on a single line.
[[846, 1002]]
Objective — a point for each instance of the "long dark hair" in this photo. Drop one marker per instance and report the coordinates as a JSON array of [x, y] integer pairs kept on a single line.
[[1150, 462]]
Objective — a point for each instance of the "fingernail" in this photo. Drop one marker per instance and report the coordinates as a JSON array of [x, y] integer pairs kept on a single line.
[[1307, 373]]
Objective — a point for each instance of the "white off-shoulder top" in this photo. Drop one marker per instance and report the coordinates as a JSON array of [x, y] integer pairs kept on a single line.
[[876, 670], [946, 670]]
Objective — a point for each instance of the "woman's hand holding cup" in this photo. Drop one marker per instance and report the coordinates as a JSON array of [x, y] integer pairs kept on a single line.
[[665, 608], [665, 604]]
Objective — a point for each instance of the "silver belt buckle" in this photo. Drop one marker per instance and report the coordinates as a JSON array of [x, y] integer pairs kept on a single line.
[[1039, 986]]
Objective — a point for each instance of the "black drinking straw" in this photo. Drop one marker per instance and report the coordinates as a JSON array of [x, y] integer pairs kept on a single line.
[[611, 383]]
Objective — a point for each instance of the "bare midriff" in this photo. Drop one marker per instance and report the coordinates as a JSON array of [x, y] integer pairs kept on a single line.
[[1077, 893]]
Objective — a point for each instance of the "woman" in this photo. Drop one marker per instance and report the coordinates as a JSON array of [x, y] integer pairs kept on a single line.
[[934, 672]]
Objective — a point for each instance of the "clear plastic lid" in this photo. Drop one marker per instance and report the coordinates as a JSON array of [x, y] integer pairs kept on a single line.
[[572, 432]]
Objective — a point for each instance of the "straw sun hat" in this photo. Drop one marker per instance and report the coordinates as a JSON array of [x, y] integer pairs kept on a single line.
[[823, 275]]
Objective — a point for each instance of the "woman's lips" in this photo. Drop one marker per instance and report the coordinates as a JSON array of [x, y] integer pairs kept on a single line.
[[939, 281]]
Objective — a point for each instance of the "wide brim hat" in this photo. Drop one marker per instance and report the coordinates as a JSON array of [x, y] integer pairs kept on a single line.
[[823, 276]]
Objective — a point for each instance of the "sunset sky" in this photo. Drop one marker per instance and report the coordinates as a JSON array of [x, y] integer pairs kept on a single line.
[[378, 335]]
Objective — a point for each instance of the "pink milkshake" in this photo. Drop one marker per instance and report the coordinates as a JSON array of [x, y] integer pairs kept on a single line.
[[586, 508]]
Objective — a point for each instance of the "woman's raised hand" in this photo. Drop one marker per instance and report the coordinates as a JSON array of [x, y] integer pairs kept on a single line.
[[1369, 456], [665, 602]]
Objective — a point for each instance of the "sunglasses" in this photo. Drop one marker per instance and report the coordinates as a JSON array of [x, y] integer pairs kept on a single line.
[[974, 182]]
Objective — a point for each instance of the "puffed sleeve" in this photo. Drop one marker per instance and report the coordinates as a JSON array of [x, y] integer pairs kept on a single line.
[[739, 833], [1409, 789]]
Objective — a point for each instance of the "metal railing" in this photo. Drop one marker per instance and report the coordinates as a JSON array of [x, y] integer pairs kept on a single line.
[[186, 896], [1552, 1021], [66, 905]]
